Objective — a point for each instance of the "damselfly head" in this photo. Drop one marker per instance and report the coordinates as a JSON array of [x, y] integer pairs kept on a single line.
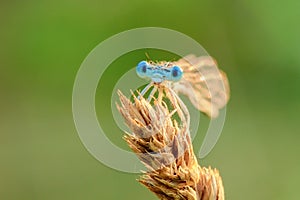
[[159, 73]]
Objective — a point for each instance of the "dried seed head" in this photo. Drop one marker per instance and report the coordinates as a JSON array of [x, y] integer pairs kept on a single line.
[[163, 145]]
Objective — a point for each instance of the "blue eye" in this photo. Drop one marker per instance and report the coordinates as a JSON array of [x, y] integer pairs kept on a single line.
[[141, 69], [176, 73]]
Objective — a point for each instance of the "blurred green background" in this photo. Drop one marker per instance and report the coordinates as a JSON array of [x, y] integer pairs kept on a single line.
[[43, 44]]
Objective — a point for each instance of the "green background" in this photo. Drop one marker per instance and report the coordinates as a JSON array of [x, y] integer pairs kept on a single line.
[[43, 44]]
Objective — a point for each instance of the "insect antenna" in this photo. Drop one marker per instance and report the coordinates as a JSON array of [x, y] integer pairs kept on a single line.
[[147, 56]]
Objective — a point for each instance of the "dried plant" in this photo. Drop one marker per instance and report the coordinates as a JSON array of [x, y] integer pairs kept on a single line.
[[160, 138]]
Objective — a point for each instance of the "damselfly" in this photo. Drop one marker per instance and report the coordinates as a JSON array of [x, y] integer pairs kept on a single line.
[[198, 78]]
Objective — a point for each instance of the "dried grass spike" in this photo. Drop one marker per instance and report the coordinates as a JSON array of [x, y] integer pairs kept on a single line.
[[164, 146]]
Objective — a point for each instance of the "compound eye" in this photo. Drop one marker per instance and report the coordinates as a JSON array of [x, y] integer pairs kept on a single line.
[[141, 69], [176, 73]]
